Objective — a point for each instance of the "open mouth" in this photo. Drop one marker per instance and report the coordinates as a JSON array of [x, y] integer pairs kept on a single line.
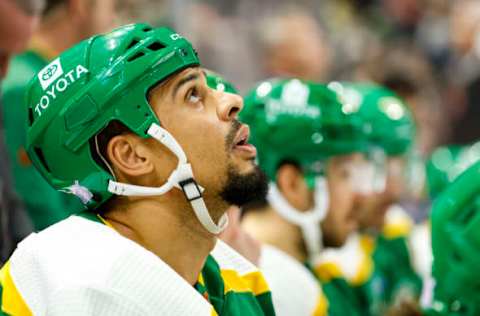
[[241, 142]]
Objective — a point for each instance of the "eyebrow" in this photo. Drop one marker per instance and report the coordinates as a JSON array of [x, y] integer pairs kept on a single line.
[[183, 81]]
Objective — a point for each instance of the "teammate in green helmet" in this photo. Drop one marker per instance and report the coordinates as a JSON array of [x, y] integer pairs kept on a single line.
[[126, 122], [217, 82], [377, 260], [311, 150], [446, 163], [455, 245]]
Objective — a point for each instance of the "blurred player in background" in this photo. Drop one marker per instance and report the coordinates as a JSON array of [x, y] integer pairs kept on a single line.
[[18, 20], [63, 23], [454, 244], [377, 261], [311, 149], [443, 167]]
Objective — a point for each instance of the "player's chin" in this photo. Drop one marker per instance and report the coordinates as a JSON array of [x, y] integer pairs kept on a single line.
[[350, 225], [336, 241], [244, 166]]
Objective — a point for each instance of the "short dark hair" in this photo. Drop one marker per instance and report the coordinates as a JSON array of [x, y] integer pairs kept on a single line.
[[114, 128]]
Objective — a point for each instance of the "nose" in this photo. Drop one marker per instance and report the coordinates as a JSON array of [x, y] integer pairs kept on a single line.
[[229, 106]]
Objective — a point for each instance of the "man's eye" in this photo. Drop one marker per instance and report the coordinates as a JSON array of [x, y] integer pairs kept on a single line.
[[193, 96]]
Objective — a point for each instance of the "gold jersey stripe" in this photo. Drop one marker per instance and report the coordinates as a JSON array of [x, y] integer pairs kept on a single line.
[[327, 271], [200, 280], [322, 306], [250, 282], [365, 271], [106, 222], [12, 301]]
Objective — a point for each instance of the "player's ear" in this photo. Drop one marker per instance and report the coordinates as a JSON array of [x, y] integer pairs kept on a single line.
[[292, 185], [130, 155]]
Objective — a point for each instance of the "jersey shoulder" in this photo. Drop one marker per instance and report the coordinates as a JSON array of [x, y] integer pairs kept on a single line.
[[398, 224], [295, 290], [245, 290], [85, 264]]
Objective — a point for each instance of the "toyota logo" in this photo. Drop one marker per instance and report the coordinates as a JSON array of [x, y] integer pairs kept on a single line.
[[49, 72]]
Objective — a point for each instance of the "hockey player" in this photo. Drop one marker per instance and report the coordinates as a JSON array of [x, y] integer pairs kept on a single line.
[[126, 122], [310, 147], [455, 243], [377, 262], [442, 168], [446, 163]]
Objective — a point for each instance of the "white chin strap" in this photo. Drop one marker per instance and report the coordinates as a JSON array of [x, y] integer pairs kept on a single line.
[[181, 178], [308, 221]]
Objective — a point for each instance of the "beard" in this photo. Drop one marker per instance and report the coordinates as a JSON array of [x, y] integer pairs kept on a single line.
[[241, 189]]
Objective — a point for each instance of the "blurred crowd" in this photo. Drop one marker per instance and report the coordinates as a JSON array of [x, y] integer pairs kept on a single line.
[[427, 51]]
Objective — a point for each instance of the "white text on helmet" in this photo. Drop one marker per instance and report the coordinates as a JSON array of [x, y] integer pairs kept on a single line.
[[58, 87]]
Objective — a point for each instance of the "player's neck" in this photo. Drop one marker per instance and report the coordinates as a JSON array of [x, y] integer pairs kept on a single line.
[[269, 227], [166, 230]]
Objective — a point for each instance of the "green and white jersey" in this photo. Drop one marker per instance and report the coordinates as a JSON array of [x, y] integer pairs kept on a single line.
[[295, 291], [341, 297], [378, 268], [80, 266], [393, 261], [420, 246]]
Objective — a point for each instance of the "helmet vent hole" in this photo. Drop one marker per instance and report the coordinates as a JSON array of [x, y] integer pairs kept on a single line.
[[136, 56], [138, 106], [41, 157], [156, 46], [132, 43], [30, 116], [147, 29]]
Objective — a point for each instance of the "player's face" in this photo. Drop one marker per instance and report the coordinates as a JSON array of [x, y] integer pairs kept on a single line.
[[396, 178], [204, 123], [372, 210], [373, 207], [341, 219]]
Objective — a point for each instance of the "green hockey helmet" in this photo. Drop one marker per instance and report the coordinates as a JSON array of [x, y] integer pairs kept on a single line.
[[302, 122], [103, 79], [217, 82], [389, 122], [456, 244], [446, 163]]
